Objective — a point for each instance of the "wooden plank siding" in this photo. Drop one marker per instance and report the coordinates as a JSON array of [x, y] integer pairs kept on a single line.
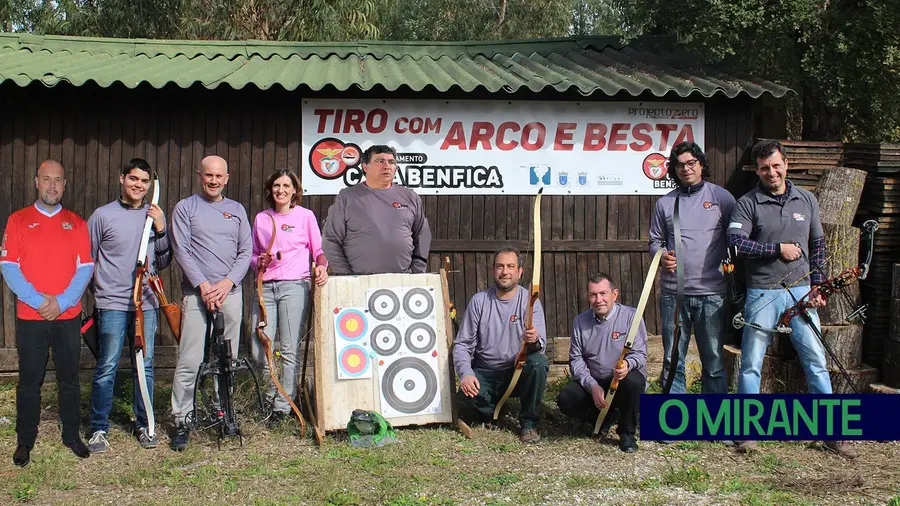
[[94, 131]]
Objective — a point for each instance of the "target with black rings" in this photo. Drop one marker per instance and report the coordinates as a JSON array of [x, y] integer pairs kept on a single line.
[[409, 385], [384, 304], [420, 338], [418, 303], [385, 339]]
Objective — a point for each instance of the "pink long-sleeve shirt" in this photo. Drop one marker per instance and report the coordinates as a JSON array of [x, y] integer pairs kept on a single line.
[[297, 233]]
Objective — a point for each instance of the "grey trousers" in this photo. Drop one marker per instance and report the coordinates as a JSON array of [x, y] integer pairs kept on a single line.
[[193, 341], [287, 309]]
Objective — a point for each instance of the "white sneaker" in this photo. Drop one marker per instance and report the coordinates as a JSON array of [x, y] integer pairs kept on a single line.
[[98, 442]]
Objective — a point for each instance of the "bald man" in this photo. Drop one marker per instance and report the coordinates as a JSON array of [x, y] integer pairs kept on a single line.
[[46, 260], [211, 243]]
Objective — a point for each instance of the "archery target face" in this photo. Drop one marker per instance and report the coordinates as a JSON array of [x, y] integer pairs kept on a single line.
[[353, 354], [420, 338], [418, 302], [409, 386], [354, 362], [384, 304], [351, 324], [386, 339]]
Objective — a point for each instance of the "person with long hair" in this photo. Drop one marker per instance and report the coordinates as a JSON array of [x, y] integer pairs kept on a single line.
[[286, 277]]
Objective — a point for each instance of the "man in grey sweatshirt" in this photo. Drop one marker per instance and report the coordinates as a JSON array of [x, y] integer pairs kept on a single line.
[[116, 230], [377, 227], [705, 211], [212, 245], [489, 338], [598, 338]]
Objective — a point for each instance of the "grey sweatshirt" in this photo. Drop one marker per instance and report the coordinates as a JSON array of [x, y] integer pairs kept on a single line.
[[115, 231], [705, 213], [372, 231], [211, 242], [490, 334], [596, 346]]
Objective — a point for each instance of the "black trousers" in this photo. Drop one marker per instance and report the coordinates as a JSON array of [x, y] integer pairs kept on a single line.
[[576, 402], [34, 341]]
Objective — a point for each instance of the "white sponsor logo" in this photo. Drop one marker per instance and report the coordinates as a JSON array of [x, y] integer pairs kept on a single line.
[[734, 224]]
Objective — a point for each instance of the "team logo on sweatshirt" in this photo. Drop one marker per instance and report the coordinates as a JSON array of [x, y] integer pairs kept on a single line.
[[287, 228], [66, 225], [710, 205], [399, 206], [616, 336], [227, 216], [514, 319], [799, 217]]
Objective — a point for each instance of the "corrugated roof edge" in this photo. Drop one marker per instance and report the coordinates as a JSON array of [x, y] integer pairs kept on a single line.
[[378, 50]]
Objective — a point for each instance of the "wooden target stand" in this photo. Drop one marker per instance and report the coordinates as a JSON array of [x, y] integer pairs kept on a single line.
[[336, 399]]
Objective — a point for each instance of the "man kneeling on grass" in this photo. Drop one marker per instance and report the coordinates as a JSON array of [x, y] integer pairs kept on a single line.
[[598, 338], [490, 337]]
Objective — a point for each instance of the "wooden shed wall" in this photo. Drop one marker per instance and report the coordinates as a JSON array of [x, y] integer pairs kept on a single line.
[[94, 131]]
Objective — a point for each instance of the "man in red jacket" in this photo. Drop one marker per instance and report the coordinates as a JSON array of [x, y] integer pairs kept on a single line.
[[46, 261]]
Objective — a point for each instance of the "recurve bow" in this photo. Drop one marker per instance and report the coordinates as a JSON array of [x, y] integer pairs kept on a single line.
[[529, 312], [137, 295]]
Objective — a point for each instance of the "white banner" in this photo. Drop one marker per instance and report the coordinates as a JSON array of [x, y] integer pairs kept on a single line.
[[489, 147]]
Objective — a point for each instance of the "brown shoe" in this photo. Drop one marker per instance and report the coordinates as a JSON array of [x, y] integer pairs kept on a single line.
[[746, 446], [841, 449], [530, 436]]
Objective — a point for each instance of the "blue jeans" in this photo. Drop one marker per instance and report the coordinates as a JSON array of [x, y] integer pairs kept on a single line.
[[754, 342], [112, 327], [706, 315]]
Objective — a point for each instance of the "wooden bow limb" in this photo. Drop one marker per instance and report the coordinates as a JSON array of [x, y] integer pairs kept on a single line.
[[629, 341], [451, 333], [522, 356], [265, 341], [675, 354], [304, 383]]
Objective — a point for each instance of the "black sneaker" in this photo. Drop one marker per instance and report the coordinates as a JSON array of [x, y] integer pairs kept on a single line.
[[22, 456], [145, 439], [627, 443], [180, 438], [78, 447]]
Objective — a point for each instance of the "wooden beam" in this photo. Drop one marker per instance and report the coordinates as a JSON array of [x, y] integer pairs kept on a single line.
[[482, 246]]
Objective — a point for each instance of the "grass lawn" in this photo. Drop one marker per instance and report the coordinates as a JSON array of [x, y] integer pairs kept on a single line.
[[431, 465]]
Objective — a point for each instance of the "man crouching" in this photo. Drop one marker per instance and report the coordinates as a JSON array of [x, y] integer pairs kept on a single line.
[[490, 337], [598, 338]]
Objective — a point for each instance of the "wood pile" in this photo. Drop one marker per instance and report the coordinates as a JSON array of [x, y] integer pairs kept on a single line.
[[808, 161], [880, 202]]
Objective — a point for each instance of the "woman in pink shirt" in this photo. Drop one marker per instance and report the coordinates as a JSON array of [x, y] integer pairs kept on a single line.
[[286, 279]]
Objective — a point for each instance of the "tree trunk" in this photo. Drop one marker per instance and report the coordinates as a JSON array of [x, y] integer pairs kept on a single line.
[[842, 252], [838, 193], [846, 343]]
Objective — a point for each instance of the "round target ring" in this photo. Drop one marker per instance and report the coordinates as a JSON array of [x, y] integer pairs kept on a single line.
[[351, 324], [384, 304], [409, 385], [386, 339], [354, 361], [420, 338], [418, 303]]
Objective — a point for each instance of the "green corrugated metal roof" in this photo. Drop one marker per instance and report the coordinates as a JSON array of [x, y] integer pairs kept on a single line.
[[591, 65]]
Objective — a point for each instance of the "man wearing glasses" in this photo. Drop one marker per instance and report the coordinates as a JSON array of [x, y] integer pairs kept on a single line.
[[704, 211], [377, 227]]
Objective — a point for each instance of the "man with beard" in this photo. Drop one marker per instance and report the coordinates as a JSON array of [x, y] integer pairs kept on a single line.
[[598, 338], [377, 227], [489, 338], [212, 245], [776, 227], [46, 261], [704, 210], [116, 232]]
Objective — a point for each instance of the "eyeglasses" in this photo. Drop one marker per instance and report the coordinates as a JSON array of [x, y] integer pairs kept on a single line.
[[689, 164]]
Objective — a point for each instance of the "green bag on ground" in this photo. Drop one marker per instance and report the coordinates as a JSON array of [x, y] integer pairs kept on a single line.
[[368, 428]]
